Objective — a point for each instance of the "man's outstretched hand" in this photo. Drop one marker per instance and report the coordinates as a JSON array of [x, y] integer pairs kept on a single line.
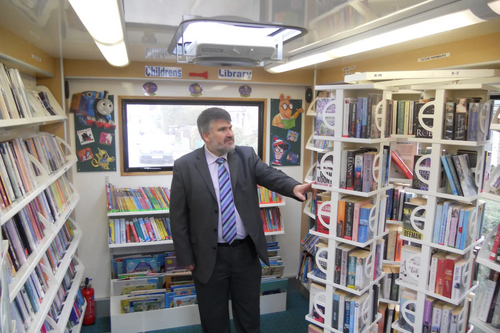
[[300, 191]]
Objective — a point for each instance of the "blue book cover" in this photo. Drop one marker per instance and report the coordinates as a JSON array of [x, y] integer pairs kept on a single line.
[[460, 230], [465, 236], [144, 229], [444, 220], [138, 230], [437, 223], [449, 176], [347, 317], [389, 203], [351, 315], [364, 118], [142, 264], [364, 219]]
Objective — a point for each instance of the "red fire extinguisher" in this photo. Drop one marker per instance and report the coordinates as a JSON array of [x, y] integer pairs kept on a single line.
[[88, 294]]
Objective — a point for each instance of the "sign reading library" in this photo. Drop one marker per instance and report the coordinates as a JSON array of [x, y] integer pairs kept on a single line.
[[285, 131], [235, 74]]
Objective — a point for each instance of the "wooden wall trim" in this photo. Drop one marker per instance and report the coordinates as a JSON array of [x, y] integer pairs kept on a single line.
[[101, 69], [13, 46]]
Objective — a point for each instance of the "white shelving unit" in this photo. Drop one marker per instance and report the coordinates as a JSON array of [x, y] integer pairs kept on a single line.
[[172, 317], [441, 92], [6, 324], [335, 122], [23, 128], [441, 86]]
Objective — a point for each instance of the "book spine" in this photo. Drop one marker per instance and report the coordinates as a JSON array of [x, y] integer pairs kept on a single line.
[[343, 170], [350, 170], [440, 276], [358, 172], [433, 273], [437, 223], [364, 118], [399, 162], [349, 220], [351, 276], [359, 116], [454, 227], [427, 316], [338, 266], [436, 319], [345, 122], [448, 277], [341, 218], [345, 266], [457, 282], [367, 179]]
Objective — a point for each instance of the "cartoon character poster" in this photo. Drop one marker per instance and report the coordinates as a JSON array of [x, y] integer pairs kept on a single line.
[[94, 131], [286, 126]]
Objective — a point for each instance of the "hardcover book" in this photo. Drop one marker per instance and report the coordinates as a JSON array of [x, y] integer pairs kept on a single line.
[[420, 131], [408, 207]]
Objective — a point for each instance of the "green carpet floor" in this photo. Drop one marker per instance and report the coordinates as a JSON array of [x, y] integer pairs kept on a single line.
[[290, 321]]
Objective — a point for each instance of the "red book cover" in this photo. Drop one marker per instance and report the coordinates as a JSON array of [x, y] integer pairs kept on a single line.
[[128, 231], [493, 253], [134, 232], [399, 162], [449, 267], [263, 217], [440, 275], [325, 216]]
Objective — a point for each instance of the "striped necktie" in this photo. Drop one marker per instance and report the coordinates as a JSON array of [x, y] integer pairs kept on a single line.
[[228, 213]]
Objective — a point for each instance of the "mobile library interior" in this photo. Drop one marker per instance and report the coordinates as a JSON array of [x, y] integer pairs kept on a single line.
[[390, 107]]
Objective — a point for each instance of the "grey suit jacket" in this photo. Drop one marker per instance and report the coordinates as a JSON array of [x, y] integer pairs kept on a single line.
[[194, 212]]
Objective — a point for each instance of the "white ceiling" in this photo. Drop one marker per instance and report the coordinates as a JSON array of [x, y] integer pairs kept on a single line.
[[53, 26]]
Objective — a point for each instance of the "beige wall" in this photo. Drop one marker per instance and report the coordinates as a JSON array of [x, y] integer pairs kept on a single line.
[[476, 50]]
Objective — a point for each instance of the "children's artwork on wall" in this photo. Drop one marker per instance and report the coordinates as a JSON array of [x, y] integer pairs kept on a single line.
[[245, 91], [94, 131], [285, 131]]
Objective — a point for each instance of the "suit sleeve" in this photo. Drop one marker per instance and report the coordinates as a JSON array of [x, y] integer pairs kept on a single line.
[[179, 220], [274, 179]]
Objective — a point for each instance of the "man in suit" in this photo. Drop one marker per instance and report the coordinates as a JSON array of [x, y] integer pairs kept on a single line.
[[216, 224]]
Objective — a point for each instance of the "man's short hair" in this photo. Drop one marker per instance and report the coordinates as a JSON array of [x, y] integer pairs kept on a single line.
[[208, 115]]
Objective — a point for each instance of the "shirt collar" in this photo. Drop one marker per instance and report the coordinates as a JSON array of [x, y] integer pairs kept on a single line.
[[211, 157]]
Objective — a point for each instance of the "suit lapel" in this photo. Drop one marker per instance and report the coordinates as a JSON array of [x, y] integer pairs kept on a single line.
[[202, 166], [232, 160]]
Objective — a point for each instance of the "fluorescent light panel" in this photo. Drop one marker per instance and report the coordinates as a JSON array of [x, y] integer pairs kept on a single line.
[[103, 21], [414, 31]]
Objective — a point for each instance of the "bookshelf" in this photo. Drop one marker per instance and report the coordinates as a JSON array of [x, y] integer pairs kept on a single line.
[[36, 200], [326, 257], [185, 315], [6, 323], [440, 89]]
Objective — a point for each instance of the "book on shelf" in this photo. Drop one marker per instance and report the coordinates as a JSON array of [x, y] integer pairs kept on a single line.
[[140, 199], [410, 264], [417, 183], [317, 301], [420, 131], [324, 111], [408, 208]]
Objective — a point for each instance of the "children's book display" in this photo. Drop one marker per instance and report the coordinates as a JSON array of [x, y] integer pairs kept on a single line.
[[438, 137], [148, 290], [40, 274]]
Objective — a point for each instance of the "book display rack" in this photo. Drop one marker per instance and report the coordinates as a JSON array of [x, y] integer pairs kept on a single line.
[[140, 221], [349, 265], [41, 275], [430, 188]]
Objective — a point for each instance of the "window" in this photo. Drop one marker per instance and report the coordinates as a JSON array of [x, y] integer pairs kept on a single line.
[[156, 132]]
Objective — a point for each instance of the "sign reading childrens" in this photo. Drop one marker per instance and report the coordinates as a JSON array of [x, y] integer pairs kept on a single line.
[[285, 131]]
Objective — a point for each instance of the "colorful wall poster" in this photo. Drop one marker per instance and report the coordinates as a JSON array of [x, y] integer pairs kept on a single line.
[[94, 131], [286, 125]]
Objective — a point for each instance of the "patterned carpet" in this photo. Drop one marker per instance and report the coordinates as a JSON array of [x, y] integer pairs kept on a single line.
[[290, 321]]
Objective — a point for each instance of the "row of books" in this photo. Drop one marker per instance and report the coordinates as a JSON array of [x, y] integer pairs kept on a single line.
[[25, 232], [307, 263], [268, 196], [451, 222], [61, 296], [18, 102], [353, 216], [488, 309], [143, 198], [309, 243], [122, 267], [346, 308], [139, 230], [351, 263], [28, 301], [447, 272], [402, 116], [390, 314], [462, 119], [76, 312], [271, 219], [356, 169], [439, 316], [17, 173], [393, 243], [276, 268], [389, 289], [174, 289], [396, 197]]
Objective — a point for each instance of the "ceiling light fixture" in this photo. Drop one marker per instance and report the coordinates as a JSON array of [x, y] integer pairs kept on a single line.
[[104, 22], [391, 34], [495, 6]]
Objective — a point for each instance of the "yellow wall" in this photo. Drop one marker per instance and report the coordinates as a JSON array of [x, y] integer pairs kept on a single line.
[[475, 50], [16, 47]]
